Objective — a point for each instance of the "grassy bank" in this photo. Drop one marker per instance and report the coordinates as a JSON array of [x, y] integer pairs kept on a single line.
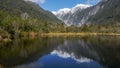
[[76, 34], [35, 34]]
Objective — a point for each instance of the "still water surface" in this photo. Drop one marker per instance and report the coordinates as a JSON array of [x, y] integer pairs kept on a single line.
[[61, 52]]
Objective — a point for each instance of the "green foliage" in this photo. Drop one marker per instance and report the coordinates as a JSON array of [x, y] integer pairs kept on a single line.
[[15, 24], [18, 16]]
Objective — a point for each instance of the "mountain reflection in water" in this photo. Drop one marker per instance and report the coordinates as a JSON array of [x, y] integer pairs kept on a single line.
[[62, 52]]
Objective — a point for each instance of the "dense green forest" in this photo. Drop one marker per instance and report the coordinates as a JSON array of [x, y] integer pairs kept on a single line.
[[10, 24], [14, 25], [17, 16], [98, 28]]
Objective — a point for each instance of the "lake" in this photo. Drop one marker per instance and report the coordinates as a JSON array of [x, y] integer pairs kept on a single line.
[[61, 52]]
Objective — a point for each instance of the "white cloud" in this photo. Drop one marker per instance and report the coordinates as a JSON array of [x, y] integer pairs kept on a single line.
[[37, 1]]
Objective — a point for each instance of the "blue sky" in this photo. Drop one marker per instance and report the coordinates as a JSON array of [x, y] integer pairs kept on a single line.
[[54, 5]]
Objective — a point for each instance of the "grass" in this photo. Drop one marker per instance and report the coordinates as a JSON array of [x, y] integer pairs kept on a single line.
[[77, 34], [35, 34]]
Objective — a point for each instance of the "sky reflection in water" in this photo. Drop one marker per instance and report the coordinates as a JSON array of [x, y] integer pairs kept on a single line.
[[62, 52]]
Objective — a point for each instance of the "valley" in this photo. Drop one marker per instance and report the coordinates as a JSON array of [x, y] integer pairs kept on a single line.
[[21, 19]]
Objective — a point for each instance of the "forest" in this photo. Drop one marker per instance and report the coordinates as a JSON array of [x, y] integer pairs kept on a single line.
[[11, 25]]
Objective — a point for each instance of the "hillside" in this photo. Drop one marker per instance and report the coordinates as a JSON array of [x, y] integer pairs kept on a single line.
[[18, 16], [19, 7], [109, 12], [106, 11], [69, 15]]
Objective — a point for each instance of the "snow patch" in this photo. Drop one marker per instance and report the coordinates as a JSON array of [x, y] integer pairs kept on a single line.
[[75, 8]]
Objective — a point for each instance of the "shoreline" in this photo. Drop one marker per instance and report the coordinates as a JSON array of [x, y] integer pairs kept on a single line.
[[34, 34], [78, 34]]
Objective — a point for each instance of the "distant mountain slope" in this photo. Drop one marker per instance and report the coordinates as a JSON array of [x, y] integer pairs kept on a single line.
[[109, 12], [18, 7], [106, 11], [69, 15], [19, 15]]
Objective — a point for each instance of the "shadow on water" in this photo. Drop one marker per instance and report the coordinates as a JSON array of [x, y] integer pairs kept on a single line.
[[24, 51], [104, 50]]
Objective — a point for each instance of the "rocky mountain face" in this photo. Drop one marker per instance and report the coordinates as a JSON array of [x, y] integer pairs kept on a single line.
[[106, 11], [68, 15]]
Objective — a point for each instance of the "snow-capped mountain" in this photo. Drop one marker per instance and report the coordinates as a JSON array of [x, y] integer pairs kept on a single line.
[[67, 14], [106, 11]]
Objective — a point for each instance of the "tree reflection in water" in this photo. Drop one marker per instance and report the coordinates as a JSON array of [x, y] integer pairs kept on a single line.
[[105, 50]]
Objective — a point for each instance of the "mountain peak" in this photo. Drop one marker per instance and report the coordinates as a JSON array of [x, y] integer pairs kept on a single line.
[[79, 7], [66, 13], [105, 11], [61, 11], [73, 9], [82, 6]]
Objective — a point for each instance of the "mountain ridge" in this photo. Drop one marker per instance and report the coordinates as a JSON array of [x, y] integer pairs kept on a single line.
[[106, 11], [66, 14], [17, 16]]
